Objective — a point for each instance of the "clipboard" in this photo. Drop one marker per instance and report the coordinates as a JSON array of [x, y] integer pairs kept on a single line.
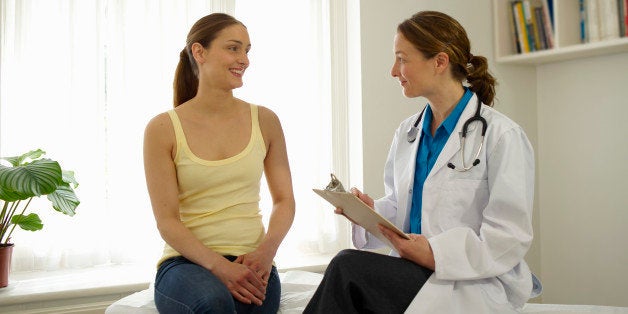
[[360, 213]]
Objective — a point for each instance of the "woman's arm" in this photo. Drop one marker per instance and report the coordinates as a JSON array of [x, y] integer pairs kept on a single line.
[[161, 181], [277, 171]]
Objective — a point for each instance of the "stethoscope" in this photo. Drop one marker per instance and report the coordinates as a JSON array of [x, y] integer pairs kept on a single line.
[[414, 131]]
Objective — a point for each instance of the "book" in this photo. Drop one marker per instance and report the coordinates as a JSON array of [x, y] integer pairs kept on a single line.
[[625, 17], [608, 17], [517, 9], [621, 16], [357, 211], [548, 22], [592, 21], [550, 10], [583, 21], [529, 23], [513, 29], [540, 27]]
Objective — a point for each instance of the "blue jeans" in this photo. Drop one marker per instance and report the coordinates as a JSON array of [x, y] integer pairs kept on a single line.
[[184, 287]]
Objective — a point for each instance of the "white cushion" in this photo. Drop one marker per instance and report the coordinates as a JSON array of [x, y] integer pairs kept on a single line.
[[297, 287]]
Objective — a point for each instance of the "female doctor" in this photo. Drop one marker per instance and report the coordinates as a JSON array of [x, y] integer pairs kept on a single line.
[[463, 193]]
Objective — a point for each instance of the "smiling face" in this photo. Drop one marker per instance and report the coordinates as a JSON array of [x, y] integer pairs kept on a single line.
[[222, 64], [414, 71]]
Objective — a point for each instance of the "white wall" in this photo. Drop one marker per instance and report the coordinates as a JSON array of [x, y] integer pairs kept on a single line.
[[583, 166], [383, 104], [579, 257]]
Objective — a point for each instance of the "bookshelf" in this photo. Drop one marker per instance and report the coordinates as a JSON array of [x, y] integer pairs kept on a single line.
[[566, 37]]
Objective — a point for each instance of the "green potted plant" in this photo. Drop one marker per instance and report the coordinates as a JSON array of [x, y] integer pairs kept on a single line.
[[23, 178]]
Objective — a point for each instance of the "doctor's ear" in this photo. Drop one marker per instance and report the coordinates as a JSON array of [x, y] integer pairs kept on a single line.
[[442, 61], [198, 52]]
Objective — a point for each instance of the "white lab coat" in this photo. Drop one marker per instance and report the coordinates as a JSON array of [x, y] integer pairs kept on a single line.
[[479, 222]]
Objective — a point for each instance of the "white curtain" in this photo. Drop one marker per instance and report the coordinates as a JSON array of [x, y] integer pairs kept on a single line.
[[290, 74], [80, 79]]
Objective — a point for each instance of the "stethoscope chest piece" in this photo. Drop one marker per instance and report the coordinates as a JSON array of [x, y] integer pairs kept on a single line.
[[414, 130], [412, 134]]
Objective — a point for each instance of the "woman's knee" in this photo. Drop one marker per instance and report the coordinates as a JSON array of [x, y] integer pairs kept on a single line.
[[217, 301], [346, 256], [344, 261], [208, 301], [185, 285]]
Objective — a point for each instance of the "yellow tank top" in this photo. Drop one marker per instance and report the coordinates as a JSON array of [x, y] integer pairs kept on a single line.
[[219, 200]]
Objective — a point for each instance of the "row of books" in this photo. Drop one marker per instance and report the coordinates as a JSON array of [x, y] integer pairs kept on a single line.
[[532, 22], [532, 25], [603, 20]]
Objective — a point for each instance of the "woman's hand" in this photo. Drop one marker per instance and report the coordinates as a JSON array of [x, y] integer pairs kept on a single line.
[[416, 249], [244, 284], [258, 262], [363, 197]]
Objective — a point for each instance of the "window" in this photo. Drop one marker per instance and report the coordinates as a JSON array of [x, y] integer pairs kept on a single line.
[[80, 79]]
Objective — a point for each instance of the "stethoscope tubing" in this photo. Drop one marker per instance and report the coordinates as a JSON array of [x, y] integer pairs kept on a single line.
[[414, 131]]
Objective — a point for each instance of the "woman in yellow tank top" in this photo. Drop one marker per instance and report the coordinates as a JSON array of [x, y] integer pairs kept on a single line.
[[203, 162]]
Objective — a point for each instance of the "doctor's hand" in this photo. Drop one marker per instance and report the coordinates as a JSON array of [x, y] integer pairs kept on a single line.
[[365, 198], [416, 249]]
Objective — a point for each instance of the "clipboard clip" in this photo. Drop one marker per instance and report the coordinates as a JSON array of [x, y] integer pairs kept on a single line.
[[335, 185]]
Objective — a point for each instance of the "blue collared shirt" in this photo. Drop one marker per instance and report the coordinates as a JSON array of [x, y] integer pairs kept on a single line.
[[428, 150]]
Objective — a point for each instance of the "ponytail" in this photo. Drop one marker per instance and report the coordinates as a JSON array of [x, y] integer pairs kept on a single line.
[[185, 79], [480, 80]]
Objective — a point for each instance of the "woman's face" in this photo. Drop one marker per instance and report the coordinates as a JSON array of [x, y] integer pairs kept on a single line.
[[414, 72], [224, 62]]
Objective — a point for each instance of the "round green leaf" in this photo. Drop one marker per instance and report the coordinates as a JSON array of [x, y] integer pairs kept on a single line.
[[64, 200], [31, 222], [37, 178]]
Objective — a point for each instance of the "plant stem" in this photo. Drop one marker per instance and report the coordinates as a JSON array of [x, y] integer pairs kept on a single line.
[[8, 214], [4, 210], [22, 213], [7, 218], [3, 223]]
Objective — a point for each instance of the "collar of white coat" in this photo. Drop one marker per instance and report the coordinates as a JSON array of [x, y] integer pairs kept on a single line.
[[467, 113], [453, 143]]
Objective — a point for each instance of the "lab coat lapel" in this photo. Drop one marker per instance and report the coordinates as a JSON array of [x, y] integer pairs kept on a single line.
[[406, 179], [453, 143]]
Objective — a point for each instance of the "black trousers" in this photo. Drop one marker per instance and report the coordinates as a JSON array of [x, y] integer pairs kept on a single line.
[[365, 282]]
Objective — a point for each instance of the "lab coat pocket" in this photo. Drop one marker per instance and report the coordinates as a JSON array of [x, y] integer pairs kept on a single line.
[[462, 202], [493, 290]]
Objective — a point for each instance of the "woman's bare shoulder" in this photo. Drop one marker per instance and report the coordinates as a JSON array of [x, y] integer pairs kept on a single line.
[[160, 124], [267, 116]]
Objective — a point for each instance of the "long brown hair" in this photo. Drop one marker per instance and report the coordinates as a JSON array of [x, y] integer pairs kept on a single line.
[[432, 32], [204, 31]]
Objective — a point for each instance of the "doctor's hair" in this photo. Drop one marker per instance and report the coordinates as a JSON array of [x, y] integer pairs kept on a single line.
[[433, 32], [204, 31]]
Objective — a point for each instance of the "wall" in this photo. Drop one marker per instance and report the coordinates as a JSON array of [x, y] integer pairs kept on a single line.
[[583, 160], [579, 247]]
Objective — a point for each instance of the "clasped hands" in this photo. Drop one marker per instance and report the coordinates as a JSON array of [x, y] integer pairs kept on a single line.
[[247, 276]]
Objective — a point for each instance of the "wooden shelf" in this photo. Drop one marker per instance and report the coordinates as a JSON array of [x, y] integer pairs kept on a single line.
[[566, 37]]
